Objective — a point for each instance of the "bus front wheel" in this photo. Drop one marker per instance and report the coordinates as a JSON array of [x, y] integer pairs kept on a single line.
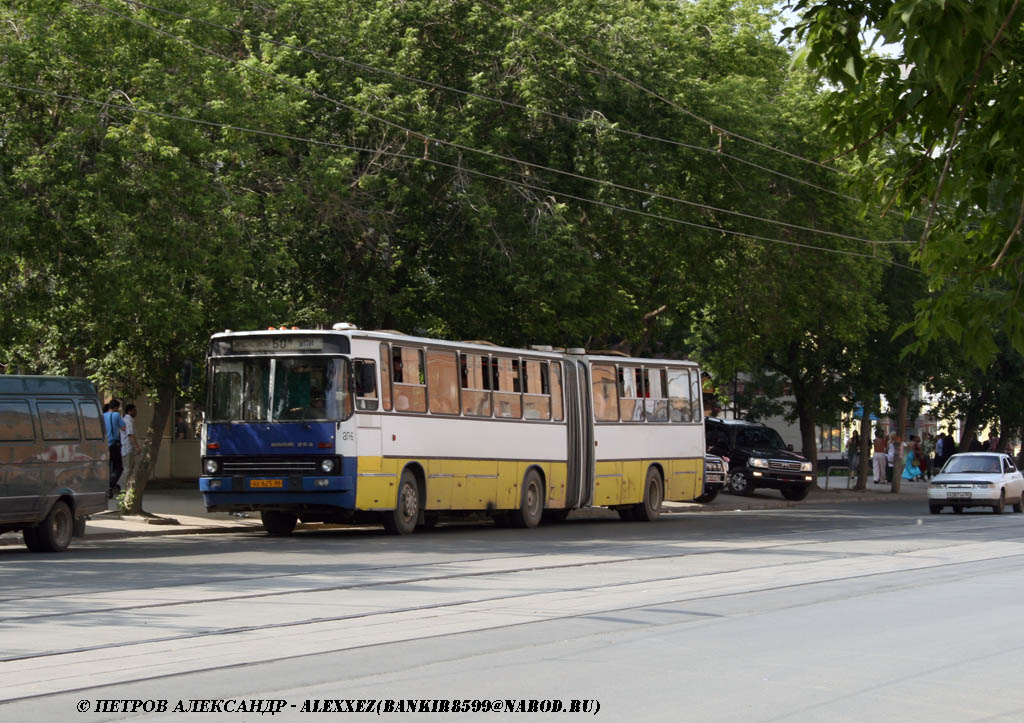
[[402, 519], [278, 523]]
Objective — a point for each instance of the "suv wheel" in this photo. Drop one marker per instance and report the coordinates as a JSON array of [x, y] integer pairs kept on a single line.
[[739, 485], [796, 492], [708, 496]]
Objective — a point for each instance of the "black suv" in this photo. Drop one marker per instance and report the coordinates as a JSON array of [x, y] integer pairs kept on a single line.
[[758, 458]]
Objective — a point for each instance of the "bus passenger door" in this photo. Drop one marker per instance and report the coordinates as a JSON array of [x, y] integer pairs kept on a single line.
[[580, 430]]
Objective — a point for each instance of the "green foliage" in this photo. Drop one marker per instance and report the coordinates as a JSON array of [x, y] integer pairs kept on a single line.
[[942, 108]]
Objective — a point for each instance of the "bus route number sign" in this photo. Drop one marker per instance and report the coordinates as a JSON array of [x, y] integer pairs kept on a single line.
[[277, 343]]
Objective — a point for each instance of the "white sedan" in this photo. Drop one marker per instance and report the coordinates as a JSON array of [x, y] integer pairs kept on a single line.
[[977, 479]]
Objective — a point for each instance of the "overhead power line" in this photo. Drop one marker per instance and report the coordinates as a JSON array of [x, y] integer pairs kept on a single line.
[[654, 94], [470, 149], [457, 167], [500, 101]]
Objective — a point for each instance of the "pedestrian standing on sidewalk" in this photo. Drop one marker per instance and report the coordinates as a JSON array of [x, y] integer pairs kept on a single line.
[[892, 453], [113, 423], [130, 448], [878, 458], [853, 452]]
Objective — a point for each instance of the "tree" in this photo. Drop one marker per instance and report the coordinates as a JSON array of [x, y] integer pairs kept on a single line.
[[133, 236], [936, 123]]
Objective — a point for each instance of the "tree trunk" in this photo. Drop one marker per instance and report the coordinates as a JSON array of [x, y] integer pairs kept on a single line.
[[901, 429], [808, 439], [162, 410], [865, 450]]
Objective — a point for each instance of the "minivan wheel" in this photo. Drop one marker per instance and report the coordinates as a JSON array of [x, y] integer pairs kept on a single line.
[[53, 534], [739, 485]]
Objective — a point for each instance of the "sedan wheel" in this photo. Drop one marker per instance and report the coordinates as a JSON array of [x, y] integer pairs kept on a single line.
[[998, 508]]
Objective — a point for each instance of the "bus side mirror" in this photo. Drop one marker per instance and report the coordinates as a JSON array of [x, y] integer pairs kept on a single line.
[[186, 375]]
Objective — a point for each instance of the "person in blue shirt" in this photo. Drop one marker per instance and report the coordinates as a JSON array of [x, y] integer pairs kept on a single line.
[[113, 423]]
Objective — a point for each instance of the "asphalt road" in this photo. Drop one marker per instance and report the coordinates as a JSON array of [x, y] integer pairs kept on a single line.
[[825, 612]]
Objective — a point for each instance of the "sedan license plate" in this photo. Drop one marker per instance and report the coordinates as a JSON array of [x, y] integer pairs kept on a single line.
[[267, 483], [958, 495]]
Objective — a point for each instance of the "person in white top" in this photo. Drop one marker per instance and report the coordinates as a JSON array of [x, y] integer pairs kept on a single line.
[[129, 446]]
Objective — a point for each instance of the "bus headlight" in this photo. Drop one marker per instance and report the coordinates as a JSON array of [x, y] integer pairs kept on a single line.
[[211, 466], [327, 466]]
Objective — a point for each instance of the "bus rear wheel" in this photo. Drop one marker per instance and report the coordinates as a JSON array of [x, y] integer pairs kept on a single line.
[[531, 502], [402, 519], [277, 523], [650, 509]]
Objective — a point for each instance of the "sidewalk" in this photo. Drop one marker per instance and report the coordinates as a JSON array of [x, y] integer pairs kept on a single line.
[[181, 509], [836, 492]]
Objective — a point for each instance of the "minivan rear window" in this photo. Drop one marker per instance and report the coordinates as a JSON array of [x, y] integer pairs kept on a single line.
[[91, 423], [16, 422], [58, 420]]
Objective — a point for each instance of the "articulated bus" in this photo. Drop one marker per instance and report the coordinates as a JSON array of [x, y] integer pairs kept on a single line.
[[346, 425]]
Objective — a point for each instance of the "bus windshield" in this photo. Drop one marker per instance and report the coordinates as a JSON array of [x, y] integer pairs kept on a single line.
[[280, 389]]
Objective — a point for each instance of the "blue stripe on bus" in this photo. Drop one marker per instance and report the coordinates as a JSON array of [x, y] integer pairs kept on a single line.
[[343, 500], [254, 438]]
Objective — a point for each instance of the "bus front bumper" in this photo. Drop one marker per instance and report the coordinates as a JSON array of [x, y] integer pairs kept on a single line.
[[230, 494]]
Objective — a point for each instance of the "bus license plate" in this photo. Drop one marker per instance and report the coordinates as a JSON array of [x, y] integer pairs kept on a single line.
[[959, 495], [267, 483]]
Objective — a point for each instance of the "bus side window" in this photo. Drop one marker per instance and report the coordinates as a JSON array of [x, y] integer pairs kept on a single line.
[[508, 401], [556, 391], [679, 395], [443, 385], [656, 401], [631, 392], [385, 377], [537, 401], [476, 395], [365, 373], [696, 414], [606, 402], [410, 389]]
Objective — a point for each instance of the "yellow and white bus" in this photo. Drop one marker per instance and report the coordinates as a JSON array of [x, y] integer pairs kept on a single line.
[[347, 425]]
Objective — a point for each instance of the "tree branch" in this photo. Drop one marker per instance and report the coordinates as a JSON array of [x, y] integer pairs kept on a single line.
[[1006, 246]]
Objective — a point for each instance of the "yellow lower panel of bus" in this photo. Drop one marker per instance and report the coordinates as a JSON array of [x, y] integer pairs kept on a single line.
[[457, 484], [685, 480]]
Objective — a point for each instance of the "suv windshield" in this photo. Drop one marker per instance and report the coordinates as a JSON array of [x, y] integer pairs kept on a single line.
[[759, 437], [964, 464]]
